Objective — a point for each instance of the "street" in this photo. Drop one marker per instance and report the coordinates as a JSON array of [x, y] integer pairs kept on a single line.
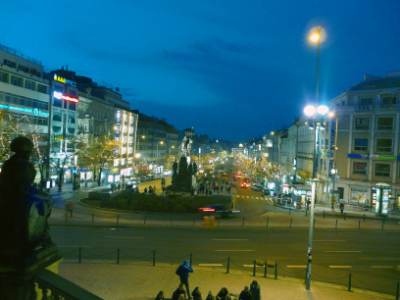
[[335, 253]]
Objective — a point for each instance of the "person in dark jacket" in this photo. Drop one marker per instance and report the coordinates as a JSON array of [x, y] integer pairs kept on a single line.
[[16, 182], [210, 296], [245, 294], [178, 293], [223, 294], [183, 272], [255, 290], [160, 296], [196, 294]]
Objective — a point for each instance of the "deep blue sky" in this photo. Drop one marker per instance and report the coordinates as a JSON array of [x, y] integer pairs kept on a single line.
[[232, 69]]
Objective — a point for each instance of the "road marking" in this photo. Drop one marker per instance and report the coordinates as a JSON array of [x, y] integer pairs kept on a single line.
[[296, 266], [343, 251], [340, 267], [227, 239], [211, 265], [235, 250], [73, 246], [124, 237], [329, 241], [380, 258], [251, 266], [381, 267]]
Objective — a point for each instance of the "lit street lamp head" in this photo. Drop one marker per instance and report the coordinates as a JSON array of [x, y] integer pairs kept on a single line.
[[310, 111], [317, 35]]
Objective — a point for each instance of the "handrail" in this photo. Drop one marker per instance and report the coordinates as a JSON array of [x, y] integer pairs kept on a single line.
[[59, 286]]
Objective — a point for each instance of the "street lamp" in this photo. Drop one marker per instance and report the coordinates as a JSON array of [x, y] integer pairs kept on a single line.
[[316, 36], [317, 114]]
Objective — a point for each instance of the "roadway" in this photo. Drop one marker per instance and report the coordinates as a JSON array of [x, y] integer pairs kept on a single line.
[[371, 256]]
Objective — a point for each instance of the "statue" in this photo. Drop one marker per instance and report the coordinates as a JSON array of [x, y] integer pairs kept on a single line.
[[183, 172]]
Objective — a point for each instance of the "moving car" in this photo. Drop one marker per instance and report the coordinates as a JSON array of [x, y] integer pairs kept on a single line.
[[218, 210]]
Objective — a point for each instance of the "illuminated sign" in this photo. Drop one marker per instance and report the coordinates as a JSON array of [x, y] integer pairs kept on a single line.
[[59, 79], [32, 111], [59, 95]]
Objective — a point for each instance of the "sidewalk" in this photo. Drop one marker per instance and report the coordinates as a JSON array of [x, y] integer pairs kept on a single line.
[[126, 282]]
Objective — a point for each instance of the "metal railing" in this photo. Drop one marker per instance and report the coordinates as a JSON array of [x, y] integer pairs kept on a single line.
[[53, 286]]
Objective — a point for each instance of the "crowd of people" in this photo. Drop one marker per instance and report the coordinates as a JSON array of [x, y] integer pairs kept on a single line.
[[183, 292], [210, 187], [248, 293], [151, 190]]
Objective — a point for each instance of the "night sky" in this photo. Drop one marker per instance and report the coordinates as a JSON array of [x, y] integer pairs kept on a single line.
[[231, 69]]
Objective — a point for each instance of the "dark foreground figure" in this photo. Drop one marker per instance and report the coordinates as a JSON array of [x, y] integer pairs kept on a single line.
[[25, 242]]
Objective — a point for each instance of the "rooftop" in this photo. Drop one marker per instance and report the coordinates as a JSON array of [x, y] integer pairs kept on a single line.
[[376, 83]]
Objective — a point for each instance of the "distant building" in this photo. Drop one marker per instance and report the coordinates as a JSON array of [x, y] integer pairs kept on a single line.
[[157, 139], [103, 112], [24, 97]]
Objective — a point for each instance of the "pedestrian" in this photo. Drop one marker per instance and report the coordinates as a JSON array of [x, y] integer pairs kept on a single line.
[[245, 294], [341, 208], [145, 190], [183, 272], [196, 294], [255, 290], [178, 293], [223, 294], [160, 296], [210, 296]]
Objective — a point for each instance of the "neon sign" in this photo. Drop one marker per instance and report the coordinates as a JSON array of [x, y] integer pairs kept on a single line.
[[59, 95], [32, 111], [59, 79]]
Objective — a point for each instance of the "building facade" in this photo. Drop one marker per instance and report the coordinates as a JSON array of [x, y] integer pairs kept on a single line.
[[157, 139], [24, 101], [368, 136]]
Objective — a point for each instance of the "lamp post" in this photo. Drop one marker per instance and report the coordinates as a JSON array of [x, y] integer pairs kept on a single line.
[[317, 114], [316, 36]]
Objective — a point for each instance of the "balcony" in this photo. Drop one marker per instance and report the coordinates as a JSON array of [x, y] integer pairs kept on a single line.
[[53, 286], [31, 280]]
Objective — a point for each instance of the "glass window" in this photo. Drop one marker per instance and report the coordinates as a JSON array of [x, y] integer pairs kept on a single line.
[[29, 84], [361, 123], [41, 88], [16, 81], [71, 130], [57, 117], [365, 101], [360, 168], [360, 144], [382, 170], [4, 76], [388, 99], [56, 129], [385, 123], [384, 145], [71, 119], [57, 102], [72, 106]]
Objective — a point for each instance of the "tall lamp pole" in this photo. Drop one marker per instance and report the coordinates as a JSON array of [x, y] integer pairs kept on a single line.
[[316, 37]]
